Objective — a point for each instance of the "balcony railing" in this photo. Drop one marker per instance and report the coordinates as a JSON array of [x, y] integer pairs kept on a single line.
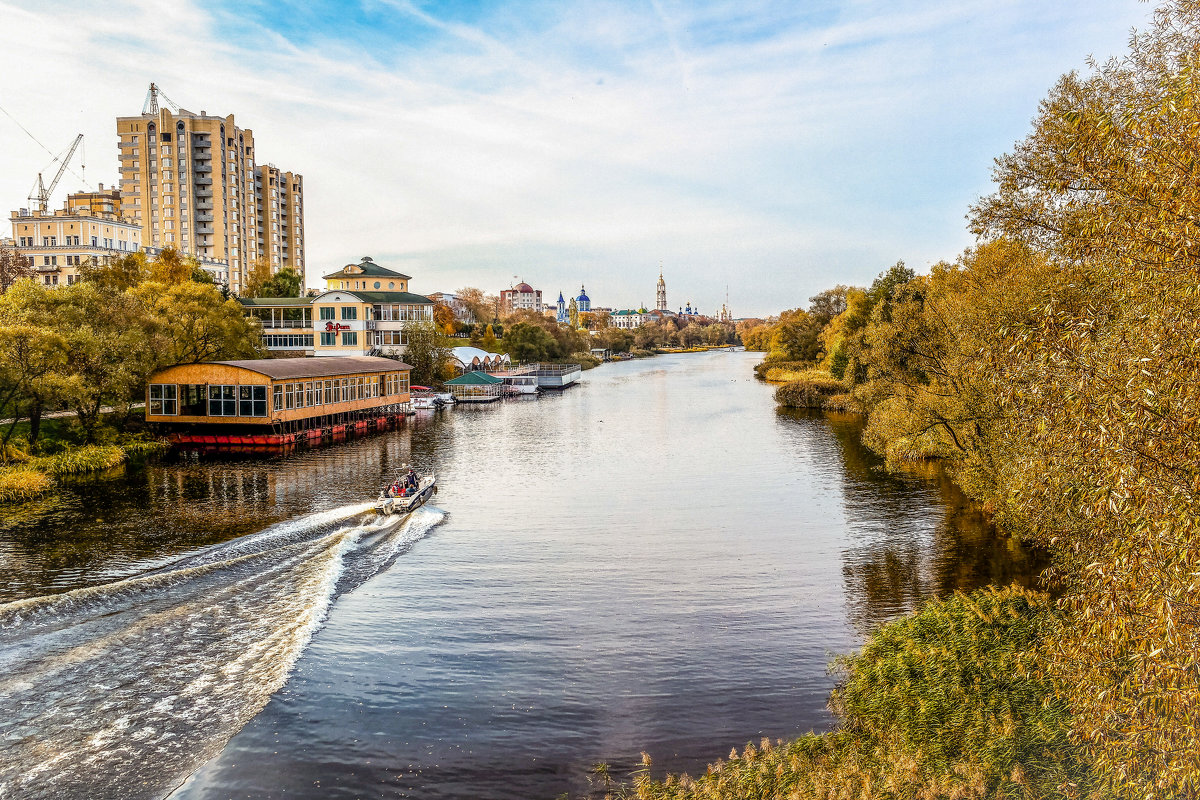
[[285, 324]]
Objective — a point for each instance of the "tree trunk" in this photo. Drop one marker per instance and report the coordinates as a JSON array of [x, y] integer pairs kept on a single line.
[[35, 422]]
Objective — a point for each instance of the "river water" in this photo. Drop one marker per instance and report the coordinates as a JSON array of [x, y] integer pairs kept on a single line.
[[654, 560]]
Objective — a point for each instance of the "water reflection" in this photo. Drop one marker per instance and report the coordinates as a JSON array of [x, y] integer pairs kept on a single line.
[[653, 560], [95, 531], [899, 555]]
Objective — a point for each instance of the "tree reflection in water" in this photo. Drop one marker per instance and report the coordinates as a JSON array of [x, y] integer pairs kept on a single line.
[[897, 557]]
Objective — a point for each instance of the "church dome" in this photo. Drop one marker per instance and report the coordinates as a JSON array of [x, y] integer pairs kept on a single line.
[[583, 298], [523, 288]]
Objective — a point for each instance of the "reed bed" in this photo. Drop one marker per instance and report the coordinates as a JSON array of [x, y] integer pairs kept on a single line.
[[78, 460], [21, 483], [808, 389]]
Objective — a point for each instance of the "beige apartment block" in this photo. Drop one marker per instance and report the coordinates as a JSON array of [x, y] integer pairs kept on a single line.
[[101, 201], [58, 243], [279, 199], [191, 181]]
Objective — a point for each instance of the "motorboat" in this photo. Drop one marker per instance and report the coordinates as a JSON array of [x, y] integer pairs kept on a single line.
[[405, 504]]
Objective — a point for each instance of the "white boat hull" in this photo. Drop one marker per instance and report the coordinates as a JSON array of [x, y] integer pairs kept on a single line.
[[405, 505]]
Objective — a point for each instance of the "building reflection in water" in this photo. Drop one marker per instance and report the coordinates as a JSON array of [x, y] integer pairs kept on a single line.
[[92, 532]]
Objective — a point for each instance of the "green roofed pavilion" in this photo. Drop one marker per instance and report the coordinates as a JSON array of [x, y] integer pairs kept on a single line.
[[474, 379]]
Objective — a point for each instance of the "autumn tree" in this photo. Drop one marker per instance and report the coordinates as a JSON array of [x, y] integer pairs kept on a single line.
[[13, 267], [1105, 441], [443, 317], [480, 306]]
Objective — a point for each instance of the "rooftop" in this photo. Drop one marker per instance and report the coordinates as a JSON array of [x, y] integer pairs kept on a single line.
[[365, 267], [474, 378], [314, 367]]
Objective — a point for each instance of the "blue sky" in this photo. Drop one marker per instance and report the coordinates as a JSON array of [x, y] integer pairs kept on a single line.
[[777, 148]]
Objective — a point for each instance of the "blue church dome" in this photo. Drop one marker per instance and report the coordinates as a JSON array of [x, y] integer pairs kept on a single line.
[[583, 298]]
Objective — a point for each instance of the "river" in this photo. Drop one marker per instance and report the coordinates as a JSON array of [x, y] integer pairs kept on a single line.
[[656, 559]]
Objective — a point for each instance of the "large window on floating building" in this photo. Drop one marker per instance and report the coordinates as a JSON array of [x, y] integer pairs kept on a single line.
[[222, 401], [164, 399], [252, 401]]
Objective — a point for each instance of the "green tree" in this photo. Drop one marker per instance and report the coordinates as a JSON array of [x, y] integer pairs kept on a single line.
[[529, 343], [284, 283], [427, 352], [194, 322]]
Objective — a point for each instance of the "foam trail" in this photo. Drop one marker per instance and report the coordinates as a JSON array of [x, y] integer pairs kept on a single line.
[[122, 690]]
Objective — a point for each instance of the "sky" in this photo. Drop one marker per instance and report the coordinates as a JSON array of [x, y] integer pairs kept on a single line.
[[768, 150]]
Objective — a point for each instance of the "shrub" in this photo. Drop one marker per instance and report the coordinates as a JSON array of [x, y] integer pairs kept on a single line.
[[765, 365], [811, 390], [640, 352], [585, 360], [22, 483]]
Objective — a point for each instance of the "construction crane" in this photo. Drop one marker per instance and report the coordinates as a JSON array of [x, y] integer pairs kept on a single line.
[[151, 104], [40, 196]]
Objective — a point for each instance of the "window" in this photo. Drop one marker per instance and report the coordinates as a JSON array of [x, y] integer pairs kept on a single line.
[[278, 395], [328, 340], [316, 393], [328, 392], [349, 338], [222, 401], [193, 399], [327, 312], [252, 401], [308, 393], [289, 395], [349, 312], [164, 399]]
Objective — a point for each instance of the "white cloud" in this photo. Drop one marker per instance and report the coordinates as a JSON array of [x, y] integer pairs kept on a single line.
[[778, 149]]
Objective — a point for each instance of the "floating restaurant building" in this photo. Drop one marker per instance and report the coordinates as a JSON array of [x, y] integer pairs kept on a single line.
[[274, 401]]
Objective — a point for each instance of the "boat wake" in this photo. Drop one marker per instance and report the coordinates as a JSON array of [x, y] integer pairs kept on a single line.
[[122, 690]]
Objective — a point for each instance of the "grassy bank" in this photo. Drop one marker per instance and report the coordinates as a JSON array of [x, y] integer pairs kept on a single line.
[[950, 702], [25, 476]]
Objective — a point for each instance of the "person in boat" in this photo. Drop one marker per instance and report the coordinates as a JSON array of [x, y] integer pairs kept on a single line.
[[394, 489], [410, 479]]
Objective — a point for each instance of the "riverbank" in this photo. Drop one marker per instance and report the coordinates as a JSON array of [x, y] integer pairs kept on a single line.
[[61, 453], [950, 701]]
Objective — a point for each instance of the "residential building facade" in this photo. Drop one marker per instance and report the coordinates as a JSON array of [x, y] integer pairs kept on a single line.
[[192, 182], [58, 243], [626, 319], [521, 297]]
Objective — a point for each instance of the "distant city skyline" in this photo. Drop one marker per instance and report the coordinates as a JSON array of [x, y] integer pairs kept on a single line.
[[776, 148]]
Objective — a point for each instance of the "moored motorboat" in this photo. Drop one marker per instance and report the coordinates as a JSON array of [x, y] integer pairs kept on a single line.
[[392, 503]]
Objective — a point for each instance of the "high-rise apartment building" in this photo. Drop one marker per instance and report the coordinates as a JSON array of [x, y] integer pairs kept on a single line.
[[279, 201], [191, 181]]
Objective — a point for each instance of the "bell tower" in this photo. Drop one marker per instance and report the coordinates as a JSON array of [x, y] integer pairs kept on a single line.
[[662, 292]]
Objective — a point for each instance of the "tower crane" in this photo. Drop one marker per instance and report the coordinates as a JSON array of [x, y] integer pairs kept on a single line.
[[41, 193], [151, 104]]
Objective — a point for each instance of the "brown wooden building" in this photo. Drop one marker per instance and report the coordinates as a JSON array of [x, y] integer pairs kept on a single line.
[[277, 395]]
